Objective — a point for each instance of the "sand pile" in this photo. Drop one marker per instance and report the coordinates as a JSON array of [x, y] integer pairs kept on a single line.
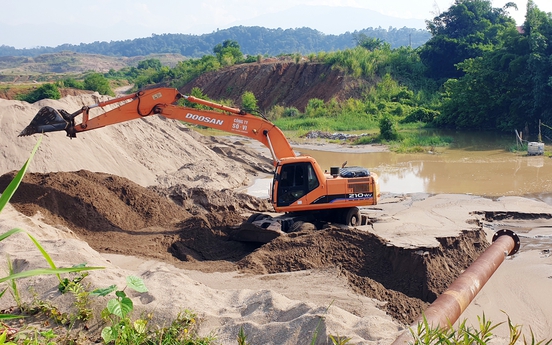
[[148, 151]]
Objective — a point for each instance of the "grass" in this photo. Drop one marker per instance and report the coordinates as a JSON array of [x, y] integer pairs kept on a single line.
[[412, 137], [419, 142], [424, 334], [16, 87], [326, 124], [409, 142]]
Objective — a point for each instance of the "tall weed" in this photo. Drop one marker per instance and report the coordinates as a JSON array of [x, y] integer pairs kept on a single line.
[[12, 276]]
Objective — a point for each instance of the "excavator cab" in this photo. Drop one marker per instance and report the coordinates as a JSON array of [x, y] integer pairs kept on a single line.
[[294, 181]]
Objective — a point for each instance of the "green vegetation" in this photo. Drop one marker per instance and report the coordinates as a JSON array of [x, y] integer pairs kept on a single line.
[[123, 330], [249, 102], [71, 82], [507, 84], [253, 40], [468, 29], [92, 81], [419, 142], [494, 77], [228, 53], [424, 334], [50, 91], [97, 82]]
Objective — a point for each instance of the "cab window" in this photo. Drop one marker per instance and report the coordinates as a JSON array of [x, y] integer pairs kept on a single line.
[[296, 180]]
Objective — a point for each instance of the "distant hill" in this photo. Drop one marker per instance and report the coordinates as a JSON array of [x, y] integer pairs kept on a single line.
[[71, 62], [23, 69], [253, 40], [329, 19]]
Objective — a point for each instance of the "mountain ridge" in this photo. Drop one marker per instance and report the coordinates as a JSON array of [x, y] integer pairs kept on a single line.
[[252, 40], [343, 19]]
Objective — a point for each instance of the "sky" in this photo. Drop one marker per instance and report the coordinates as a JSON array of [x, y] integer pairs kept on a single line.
[[33, 23]]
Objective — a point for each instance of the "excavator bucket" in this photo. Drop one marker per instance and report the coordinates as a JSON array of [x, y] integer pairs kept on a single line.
[[47, 119]]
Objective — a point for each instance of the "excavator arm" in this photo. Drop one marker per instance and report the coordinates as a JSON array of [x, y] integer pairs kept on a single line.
[[162, 101]]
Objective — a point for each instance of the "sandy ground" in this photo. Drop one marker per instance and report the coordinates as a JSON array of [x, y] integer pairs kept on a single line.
[[273, 308]]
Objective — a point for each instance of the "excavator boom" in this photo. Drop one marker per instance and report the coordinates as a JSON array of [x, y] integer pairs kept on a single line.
[[162, 101]]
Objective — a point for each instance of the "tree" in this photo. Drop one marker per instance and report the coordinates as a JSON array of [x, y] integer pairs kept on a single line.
[[249, 102], [228, 53], [370, 43], [150, 63], [388, 128], [505, 88], [198, 93], [97, 82], [466, 30], [538, 30], [71, 82]]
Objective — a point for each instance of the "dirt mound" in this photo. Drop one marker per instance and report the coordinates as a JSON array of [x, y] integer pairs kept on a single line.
[[111, 213], [404, 278], [200, 200], [287, 84], [116, 215]]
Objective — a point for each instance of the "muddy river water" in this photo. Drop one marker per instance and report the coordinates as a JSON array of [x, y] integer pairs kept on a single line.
[[476, 163], [490, 173]]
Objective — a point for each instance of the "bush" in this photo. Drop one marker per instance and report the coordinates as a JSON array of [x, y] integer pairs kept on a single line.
[[71, 82], [291, 112], [388, 128], [97, 82], [249, 102], [421, 115], [49, 91]]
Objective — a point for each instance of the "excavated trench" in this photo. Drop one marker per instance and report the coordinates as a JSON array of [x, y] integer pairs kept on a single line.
[[114, 215]]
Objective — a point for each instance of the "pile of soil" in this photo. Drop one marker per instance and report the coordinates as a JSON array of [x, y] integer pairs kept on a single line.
[[115, 215], [407, 279]]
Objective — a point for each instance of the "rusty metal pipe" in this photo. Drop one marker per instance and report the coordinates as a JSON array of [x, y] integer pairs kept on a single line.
[[448, 307]]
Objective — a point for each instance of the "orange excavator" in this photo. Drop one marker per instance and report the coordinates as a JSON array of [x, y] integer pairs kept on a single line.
[[299, 186]]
